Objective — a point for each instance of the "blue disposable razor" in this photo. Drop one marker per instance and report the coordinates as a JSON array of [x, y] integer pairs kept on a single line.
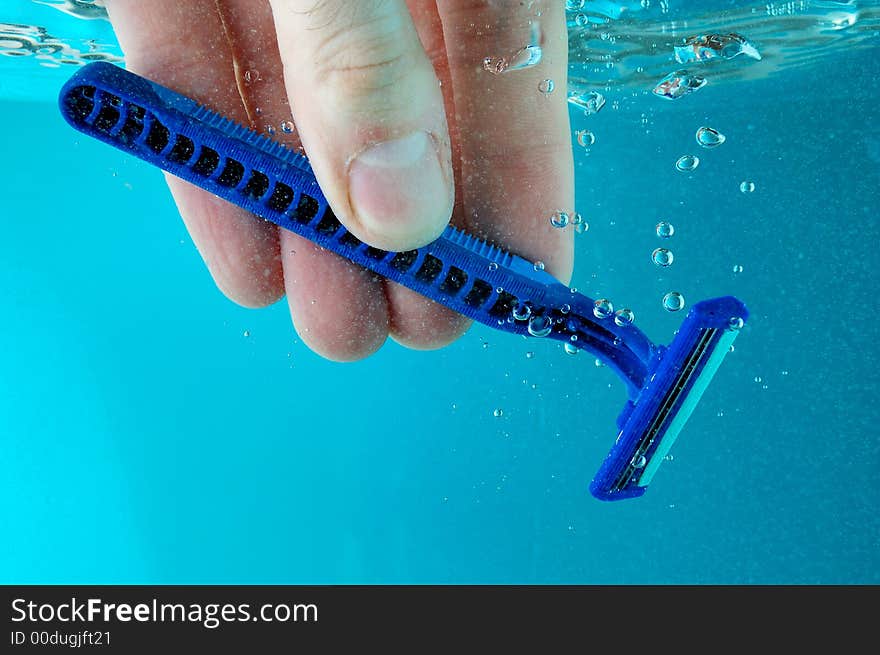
[[474, 278]]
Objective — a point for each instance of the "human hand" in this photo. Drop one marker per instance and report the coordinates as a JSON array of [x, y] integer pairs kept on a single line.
[[404, 130]]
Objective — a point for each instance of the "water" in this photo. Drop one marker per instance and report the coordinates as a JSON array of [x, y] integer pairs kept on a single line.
[[147, 439]]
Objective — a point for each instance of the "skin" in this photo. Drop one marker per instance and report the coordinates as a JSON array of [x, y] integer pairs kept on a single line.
[[489, 153]]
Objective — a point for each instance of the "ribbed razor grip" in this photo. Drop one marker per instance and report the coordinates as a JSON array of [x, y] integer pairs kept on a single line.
[[472, 277]]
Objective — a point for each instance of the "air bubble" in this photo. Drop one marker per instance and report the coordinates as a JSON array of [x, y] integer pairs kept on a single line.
[[673, 301], [710, 138], [735, 323], [560, 219], [521, 312], [527, 57], [540, 326], [687, 163], [287, 127], [747, 187], [603, 308], [623, 317], [677, 84], [539, 266], [570, 349], [493, 266], [546, 86], [585, 138], [590, 102], [498, 413], [665, 230], [495, 65], [638, 462], [662, 257]]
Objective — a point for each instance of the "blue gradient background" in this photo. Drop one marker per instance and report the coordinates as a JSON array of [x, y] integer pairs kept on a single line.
[[145, 439]]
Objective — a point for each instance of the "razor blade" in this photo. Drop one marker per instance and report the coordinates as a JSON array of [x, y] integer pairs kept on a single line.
[[679, 375]]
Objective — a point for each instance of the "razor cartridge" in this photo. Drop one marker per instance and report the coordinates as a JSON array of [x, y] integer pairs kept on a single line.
[[679, 374], [477, 279]]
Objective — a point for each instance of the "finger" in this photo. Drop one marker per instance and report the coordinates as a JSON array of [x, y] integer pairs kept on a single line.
[[415, 321], [241, 252], [339, 311], [370, 114], [337, 307], [517, 162], [250, 31]]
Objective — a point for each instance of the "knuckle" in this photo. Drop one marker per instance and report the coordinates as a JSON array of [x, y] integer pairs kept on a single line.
[[361, 52]]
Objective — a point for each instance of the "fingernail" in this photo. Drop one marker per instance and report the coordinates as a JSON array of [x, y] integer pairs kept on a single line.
[[400, 192]]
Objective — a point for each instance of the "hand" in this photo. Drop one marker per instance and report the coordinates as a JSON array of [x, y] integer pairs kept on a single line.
[[403, 127]]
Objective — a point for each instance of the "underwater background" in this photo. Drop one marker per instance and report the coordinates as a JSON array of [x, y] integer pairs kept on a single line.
[[151, 431]]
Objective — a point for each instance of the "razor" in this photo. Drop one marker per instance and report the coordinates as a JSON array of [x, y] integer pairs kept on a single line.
[[471, 276]]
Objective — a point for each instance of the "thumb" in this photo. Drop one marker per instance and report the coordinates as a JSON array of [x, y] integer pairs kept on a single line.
[[369, 110]]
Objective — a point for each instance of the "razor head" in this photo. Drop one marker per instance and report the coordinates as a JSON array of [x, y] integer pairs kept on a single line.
[[677, 380]]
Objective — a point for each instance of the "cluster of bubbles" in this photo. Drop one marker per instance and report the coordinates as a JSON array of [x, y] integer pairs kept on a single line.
[[603, 309], [590, 103], [562, 219], [575, 6], [537, 325], [253, 76], [663, 257], [699, 49], [694, 49], [707, 137]]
